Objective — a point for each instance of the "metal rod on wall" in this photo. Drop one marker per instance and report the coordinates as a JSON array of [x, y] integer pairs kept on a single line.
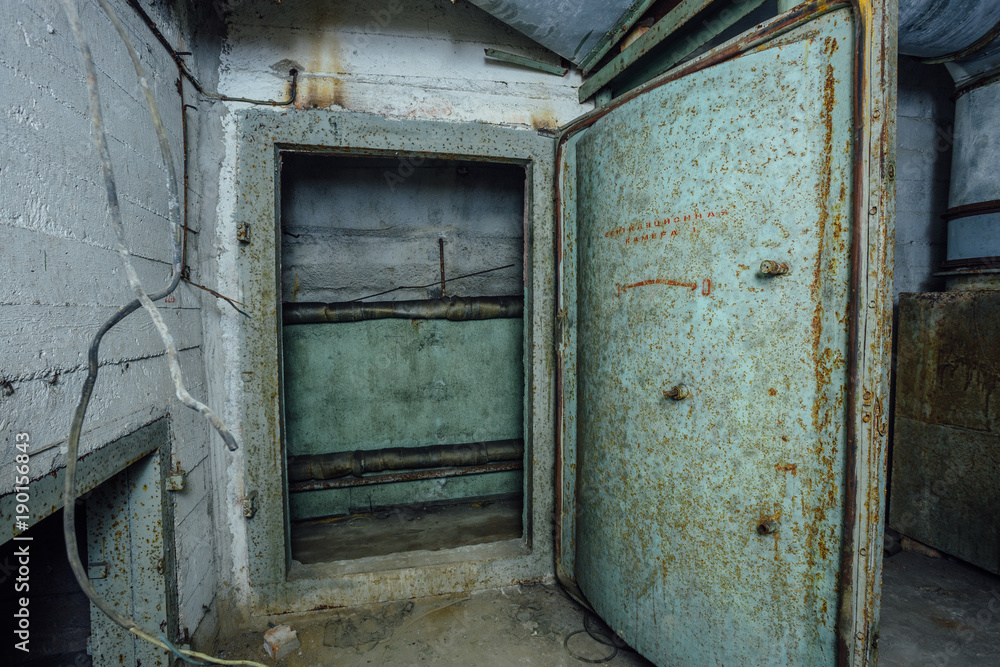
[[441, 255]]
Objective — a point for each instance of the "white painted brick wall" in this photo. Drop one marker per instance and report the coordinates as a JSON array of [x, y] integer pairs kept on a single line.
[[60, 277]]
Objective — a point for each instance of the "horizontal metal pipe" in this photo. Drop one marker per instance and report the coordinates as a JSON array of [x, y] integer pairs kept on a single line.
[[451, 308], [357, 463], [408, 476]]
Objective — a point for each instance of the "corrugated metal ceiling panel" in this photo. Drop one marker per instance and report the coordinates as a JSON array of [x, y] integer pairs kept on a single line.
[[571, 28]]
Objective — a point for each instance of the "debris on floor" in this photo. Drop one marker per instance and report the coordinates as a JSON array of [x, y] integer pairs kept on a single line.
[[909, 544], [280, 641], [364, 629], [518, 625]]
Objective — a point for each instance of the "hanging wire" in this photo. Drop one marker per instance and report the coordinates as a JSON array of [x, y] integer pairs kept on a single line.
[[142, 300], [232, 302], [599, 631], [593, 661], [433, 284]]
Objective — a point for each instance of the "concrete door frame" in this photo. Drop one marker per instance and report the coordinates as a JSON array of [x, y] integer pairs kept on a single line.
[[276, 583]]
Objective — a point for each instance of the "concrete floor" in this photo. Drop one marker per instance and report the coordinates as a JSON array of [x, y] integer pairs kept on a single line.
[[520, 625], [938, 611], [935, 611]]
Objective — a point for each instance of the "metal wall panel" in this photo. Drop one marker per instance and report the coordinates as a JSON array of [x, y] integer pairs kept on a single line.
[[401, 383], [946, 449], [571, 28]]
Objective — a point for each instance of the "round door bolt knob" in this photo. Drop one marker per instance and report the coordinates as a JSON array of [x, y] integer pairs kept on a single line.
[[677, 393], [767, 527], [771, 268]]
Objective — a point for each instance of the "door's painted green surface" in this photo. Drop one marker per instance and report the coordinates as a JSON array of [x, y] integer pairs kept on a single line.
[[402, 383], [708, 529]]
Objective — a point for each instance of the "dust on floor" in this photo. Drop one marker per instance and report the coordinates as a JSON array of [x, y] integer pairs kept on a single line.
[[519, 625], [938, 611]]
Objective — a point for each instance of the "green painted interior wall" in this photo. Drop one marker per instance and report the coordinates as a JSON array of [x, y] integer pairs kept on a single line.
[[398, 383]]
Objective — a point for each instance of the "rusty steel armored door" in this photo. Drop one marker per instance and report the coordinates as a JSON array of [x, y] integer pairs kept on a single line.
[[710, 356]]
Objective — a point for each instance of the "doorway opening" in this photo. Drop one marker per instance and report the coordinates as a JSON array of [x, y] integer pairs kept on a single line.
[[402, 353], [61, 634], [124, 538]]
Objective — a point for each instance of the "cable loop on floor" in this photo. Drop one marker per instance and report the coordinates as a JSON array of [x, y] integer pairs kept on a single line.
[[614, 649], [612, 639]]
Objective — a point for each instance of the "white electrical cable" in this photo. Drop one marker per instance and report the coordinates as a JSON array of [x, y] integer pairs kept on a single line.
[[146, 302]]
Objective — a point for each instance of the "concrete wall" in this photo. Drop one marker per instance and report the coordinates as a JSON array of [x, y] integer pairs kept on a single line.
[[923, 167], [60, 277], [355, 228], [419, 59]]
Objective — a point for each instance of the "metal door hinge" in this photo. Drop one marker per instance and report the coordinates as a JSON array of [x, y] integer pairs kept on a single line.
[[561, 318], [175, 480], [250, 505]]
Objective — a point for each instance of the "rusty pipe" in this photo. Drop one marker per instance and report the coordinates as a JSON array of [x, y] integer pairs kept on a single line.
[[451, 308], [342, 464]]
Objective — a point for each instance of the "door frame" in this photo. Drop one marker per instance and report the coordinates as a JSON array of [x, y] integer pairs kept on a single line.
[[870, 293], [276, 584]]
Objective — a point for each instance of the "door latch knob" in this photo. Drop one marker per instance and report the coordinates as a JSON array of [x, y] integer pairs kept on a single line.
[[767, 527], [771, 268], [677, 393]]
